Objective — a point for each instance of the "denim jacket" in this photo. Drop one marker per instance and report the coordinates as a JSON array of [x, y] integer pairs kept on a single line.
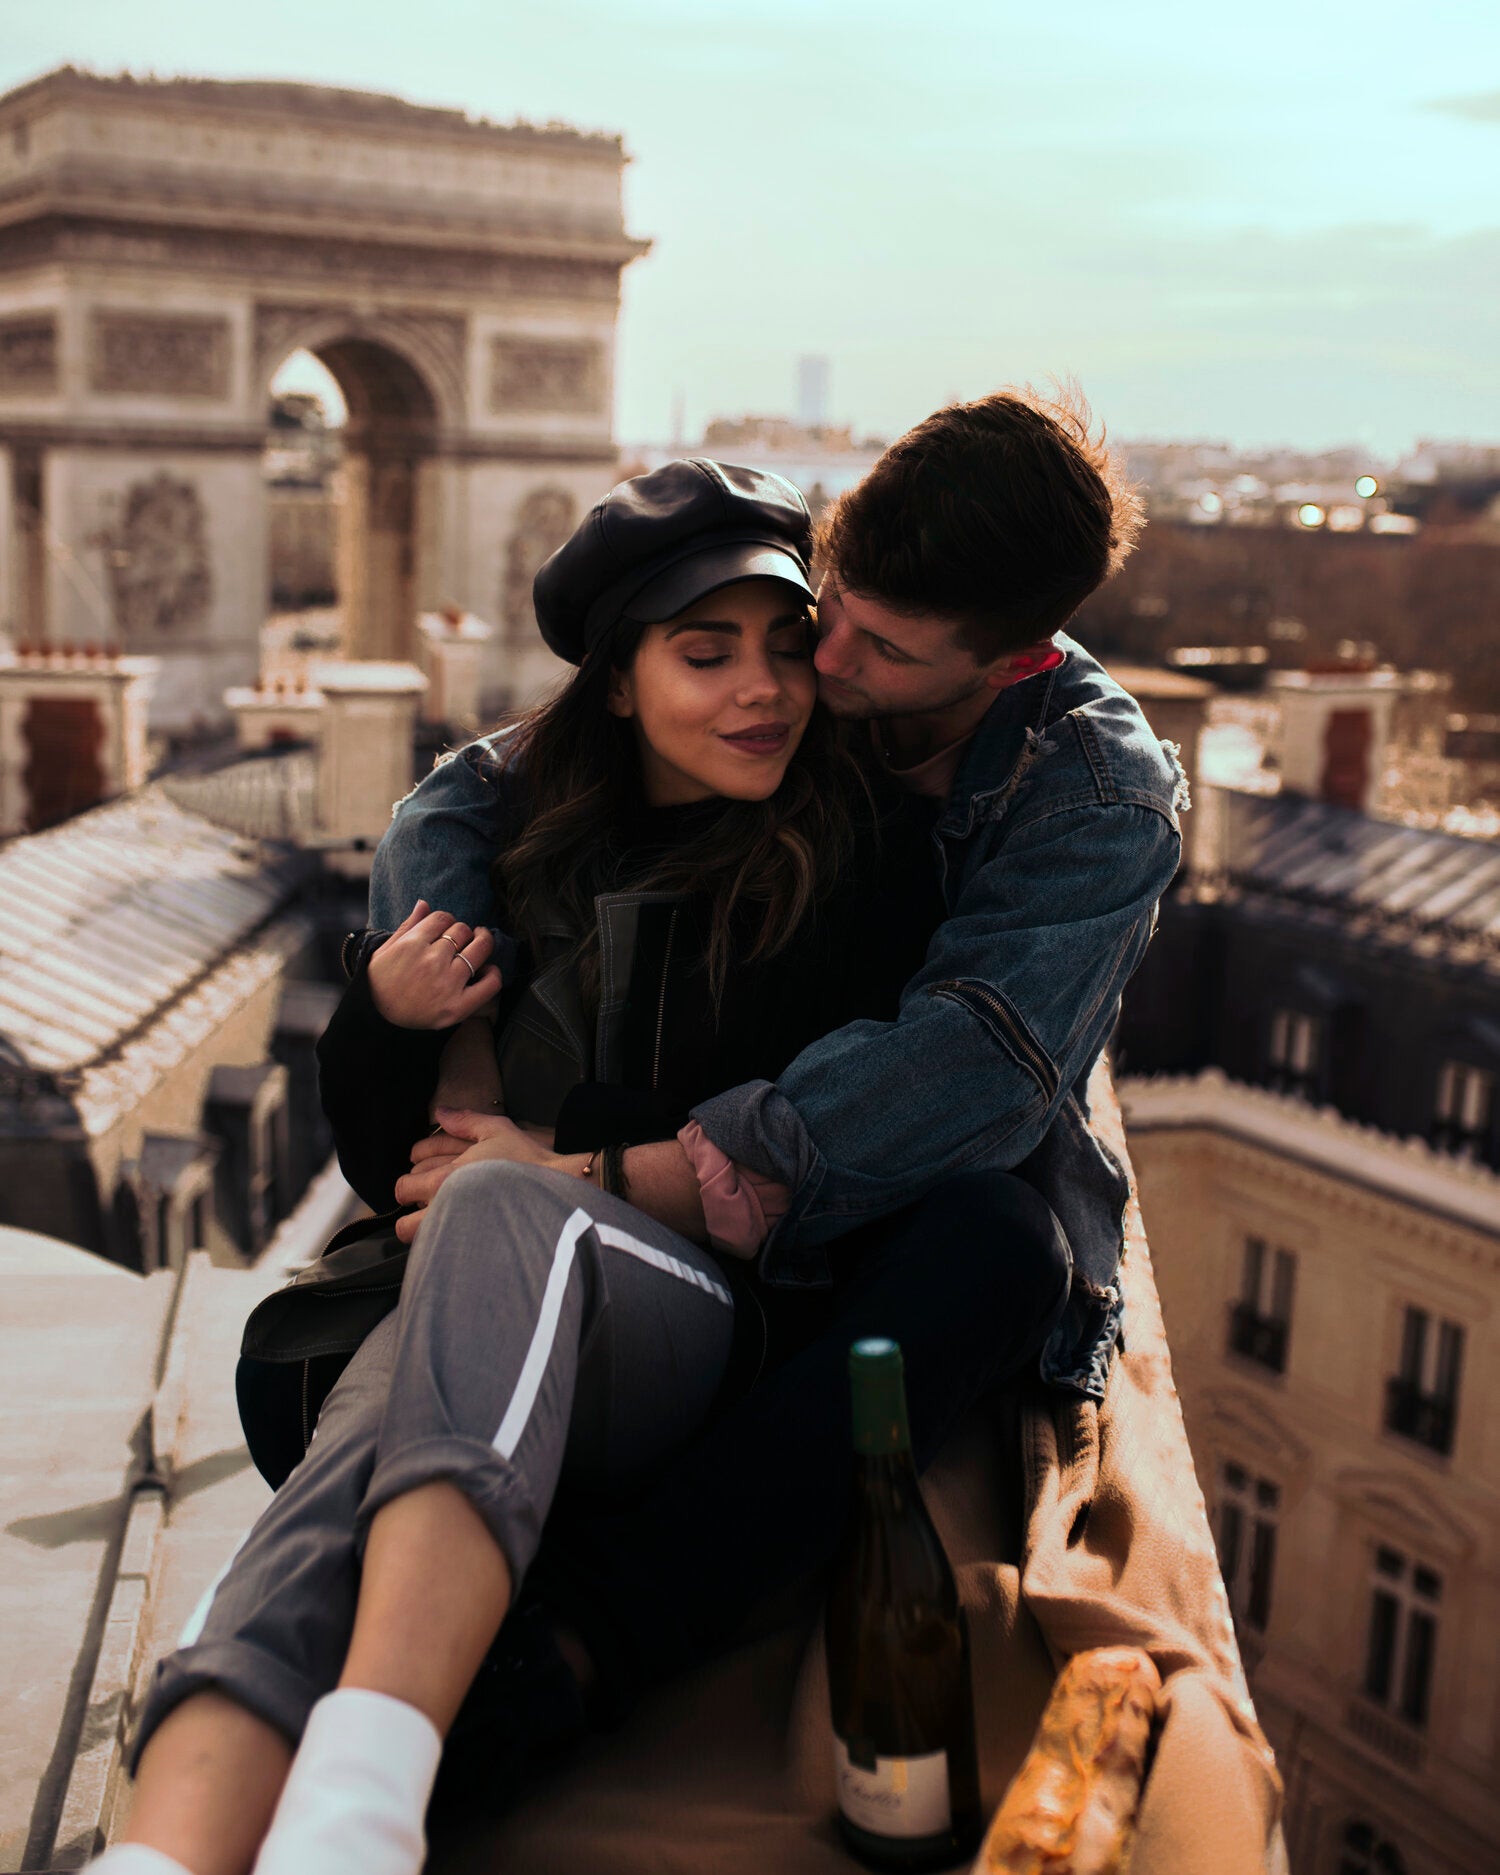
[[1053, 850]]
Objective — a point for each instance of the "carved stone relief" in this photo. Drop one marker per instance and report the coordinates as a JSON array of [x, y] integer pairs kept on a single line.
[[156, 552], [544, 521], [28, 355], [320, 260], [158, 355], [547, 374]]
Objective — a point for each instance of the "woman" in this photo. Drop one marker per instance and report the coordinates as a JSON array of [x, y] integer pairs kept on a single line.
[[697, 902]]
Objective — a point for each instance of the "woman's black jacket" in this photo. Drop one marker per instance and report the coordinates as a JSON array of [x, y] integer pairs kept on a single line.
[[658, 1042]]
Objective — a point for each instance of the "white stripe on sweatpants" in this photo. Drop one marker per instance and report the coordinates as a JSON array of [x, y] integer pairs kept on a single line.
[[659, 1260], [539, 1353]]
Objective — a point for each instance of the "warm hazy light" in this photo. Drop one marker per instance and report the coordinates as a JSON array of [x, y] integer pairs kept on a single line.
[[998, 196], [1311, 515], [1366, 486]]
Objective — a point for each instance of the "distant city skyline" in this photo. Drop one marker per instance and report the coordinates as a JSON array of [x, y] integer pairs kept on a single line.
[[1278, 229]]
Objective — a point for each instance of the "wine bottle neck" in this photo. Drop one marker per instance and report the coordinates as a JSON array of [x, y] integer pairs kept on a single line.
[[879, 1400]]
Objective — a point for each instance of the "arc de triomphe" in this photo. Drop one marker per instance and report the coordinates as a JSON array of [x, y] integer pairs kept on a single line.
[[166, 245]]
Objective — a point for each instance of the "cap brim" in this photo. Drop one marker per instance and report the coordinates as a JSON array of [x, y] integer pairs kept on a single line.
[[701, 573]]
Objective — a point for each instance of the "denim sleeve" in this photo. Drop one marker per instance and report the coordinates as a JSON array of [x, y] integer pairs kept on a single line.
[[1016, 998], [439, 846]]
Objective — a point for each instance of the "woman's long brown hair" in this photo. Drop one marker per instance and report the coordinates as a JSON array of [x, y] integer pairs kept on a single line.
[[581, 776]]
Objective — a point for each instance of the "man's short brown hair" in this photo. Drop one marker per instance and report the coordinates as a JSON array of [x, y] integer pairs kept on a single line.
[[1003, 514]]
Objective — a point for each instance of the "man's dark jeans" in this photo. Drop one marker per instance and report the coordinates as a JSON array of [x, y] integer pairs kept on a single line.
[[969, 1281]]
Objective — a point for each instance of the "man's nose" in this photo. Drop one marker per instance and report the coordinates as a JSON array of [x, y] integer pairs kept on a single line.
[[832, 654]]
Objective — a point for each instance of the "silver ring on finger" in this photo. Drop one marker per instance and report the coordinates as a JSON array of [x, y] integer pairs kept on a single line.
[[458, 949], [468, 966]]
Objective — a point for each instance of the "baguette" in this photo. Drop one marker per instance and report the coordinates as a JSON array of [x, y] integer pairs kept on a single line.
[[1071, 1807]]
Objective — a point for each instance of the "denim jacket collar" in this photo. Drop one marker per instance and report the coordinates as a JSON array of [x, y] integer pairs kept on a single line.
[[1004, 745]]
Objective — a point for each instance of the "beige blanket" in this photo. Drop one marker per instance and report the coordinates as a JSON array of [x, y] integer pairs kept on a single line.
[[1070, 1527]]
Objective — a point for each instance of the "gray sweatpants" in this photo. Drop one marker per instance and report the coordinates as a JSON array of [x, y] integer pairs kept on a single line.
[[543, 1327]]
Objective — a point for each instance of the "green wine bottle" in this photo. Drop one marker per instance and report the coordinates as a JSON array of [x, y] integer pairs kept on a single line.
[[898, 1651]]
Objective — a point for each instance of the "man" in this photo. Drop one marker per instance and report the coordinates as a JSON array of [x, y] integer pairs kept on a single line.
[[950, 571]]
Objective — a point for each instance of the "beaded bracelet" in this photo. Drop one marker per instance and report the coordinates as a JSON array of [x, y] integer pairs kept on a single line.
[[612, 1172]]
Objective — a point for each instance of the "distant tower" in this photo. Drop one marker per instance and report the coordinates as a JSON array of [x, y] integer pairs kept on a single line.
[[812, 392]]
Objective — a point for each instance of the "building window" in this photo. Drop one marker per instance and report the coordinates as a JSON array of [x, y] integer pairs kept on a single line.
[[1261, 1319], [1364, 1852], [1403, 1635], [1248, 1510], [1464, 1112], [166, 1253], [1421, 1398], [1296, 1052]]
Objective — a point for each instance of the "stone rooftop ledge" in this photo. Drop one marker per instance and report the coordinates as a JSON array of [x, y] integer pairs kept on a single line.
[[125, 1484], [80, 1344], [175, 1545]]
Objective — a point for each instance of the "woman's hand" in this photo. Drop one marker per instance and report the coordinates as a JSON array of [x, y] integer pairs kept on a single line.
[[433, 972], [466, 1139]]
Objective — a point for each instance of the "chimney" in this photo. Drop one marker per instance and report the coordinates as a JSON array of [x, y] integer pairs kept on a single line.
[[450, 651], [274, 713], [365, 767], [72, 731], [1176, 706], [1335, 729]]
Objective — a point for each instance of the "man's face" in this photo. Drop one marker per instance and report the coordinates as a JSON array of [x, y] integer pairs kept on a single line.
[[873, 662]]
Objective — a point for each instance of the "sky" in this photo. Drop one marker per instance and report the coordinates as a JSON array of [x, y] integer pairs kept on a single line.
[[1276, 224]]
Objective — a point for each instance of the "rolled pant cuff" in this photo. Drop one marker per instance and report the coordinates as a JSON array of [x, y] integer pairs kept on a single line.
[[500, 1491], [258, 1681]]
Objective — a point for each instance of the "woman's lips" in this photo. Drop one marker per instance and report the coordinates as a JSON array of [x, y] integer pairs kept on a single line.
[[760, 739]]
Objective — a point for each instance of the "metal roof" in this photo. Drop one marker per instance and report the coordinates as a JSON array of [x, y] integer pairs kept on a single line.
[[1329, 855], [271, 794], [109, 917]]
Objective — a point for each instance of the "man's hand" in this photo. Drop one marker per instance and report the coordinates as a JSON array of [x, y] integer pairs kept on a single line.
[[466, 1139], [433, 972]]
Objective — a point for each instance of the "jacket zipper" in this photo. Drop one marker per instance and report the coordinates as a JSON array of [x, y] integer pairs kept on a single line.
[[1040, 1066], [306, 1428], [661, 1005]]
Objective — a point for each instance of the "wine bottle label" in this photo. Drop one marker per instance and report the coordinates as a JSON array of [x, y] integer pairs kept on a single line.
[[900, 1797]]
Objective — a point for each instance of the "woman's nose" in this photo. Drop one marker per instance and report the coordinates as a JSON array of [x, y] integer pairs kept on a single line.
[[760, 681]]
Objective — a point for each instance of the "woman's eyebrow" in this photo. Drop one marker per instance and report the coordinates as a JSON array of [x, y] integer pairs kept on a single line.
[[707, 625], [785, 622]]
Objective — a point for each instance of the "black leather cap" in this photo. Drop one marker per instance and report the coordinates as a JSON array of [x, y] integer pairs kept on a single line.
[[658, 542]]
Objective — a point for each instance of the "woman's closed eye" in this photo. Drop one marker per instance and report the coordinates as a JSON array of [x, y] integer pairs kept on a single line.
[[793, 643]]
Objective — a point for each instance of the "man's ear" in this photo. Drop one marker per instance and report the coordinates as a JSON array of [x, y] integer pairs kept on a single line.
[[1018, 665], [620, 698]]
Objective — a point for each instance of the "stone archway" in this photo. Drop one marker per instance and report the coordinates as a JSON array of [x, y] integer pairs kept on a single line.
[[169, 243], [388, 518]]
